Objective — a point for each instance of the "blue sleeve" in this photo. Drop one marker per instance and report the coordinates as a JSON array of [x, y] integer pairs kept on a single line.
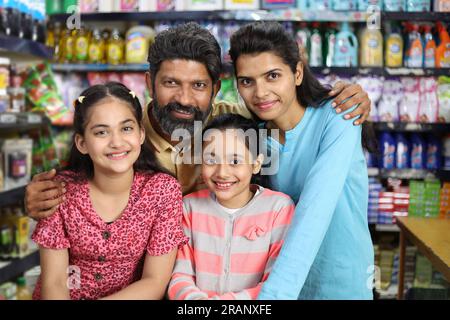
[[314, 211]]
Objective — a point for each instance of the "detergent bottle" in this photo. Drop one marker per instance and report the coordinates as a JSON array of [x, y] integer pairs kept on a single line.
[[315, 51], [429, 60], [303, 37], [443, 50], [414, 53], [330, 43], [371, 52], [394, 48], [346, 49]]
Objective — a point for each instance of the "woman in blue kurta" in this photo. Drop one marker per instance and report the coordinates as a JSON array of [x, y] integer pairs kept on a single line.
[[328, 252]]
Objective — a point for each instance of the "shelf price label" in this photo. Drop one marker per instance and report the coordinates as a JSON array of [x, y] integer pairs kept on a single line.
[[34, 118], [8, 118]]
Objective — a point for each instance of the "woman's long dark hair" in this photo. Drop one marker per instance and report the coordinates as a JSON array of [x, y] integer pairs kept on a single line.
[[266, 36], [82, 164]]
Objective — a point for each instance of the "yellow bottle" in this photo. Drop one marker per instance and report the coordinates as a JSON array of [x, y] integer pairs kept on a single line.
[[394, 50], [371, 54], [96, 52], [66, 46], [115, 48], [23, 293], [82, 45], [138, 39]]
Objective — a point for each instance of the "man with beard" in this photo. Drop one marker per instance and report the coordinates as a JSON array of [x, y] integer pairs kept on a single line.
[[185, 67]]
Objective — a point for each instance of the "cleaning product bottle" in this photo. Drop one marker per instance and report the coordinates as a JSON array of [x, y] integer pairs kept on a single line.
[[371, 52], [387, 143], [23, 293], [115, 48], [346, 49], [415, 48], [394, 48], [96, 51], [302, 36], [443, 50], [138, 40], [434, 153], [330, 43], [315, 52], [418, 151], [402, 152], [82, 45], [430, 48], [66, 46]]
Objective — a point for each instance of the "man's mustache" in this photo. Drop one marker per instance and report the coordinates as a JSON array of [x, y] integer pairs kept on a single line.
[[174, 106]]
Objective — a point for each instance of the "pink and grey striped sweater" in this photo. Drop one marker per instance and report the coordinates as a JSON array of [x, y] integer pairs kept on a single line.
[[229, 256]]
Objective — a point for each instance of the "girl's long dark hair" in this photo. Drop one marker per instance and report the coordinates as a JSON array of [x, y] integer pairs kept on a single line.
[[82, 164], [267, 36], [235, 121]]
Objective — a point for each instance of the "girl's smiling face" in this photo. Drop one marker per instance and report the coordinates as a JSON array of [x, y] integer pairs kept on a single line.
[[112, 137], [228, 166], [267, 84]]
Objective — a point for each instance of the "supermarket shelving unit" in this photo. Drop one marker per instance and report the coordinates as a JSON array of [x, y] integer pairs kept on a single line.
[[20, 50]]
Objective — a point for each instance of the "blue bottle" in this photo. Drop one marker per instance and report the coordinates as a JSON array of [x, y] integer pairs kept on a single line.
[[346, 48], [345, 5], [387, 143], [434, 153], [418, 152], [403, 153], [394, 5]]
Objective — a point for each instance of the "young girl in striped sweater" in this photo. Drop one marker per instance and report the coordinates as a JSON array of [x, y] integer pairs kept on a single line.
[[236, 228]]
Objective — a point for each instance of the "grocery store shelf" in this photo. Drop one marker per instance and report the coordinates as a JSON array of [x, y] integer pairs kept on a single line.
[[409, 174], [350, 71], [420, 72], [380, 71], [25, 47], [22, 121], [416, 16], [12, 196], [412, 127], [387, 228], [17, 266], [223, 15], [70, 67]]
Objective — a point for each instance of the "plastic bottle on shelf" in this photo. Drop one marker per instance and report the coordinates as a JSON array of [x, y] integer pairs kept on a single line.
[[138, 40], [66, 44], [430, 48], [418, 151], [346, 49], [11, 18], [394, 48], [414, 52], [303, 37], [345, 5], [115, 48], [387, 143], [394, 5], [434, 153], [443, 50], [418, 5], [82, 45], [96, 51], [371, 48], [330, 43], [315, 53], [23, 292], [402, 152]]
